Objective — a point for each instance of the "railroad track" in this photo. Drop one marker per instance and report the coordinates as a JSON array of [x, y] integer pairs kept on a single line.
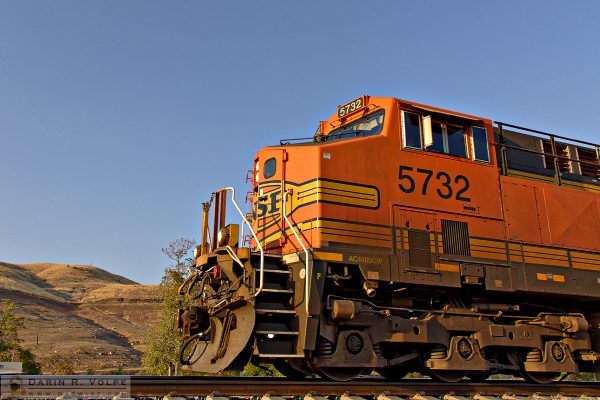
[[413, 389]]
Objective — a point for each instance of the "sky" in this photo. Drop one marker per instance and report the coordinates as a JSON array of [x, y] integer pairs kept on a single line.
[[119, 118]]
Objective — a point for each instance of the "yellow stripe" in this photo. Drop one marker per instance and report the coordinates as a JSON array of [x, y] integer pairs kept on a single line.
[[588, 256], [321, 255], [337, 192], [355, 227], [487, 254], [554, 277], [586, 266], [358, 235], [545, 250], [488, 243], [448, 267], [546, 261], [542, 277]]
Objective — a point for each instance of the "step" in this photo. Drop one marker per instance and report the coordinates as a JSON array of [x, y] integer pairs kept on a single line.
[[281, 355], [274, 311], [277, 333], [265, 307], [269, 290], [274, 271]]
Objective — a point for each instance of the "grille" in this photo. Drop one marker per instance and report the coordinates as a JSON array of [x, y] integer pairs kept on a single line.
[[419, 254], [455, 236]]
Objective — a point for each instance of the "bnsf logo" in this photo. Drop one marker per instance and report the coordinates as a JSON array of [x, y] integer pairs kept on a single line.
[[267, 205]]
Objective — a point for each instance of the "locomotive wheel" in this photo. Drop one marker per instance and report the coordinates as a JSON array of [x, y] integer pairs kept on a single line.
[[340, 374], [291, 368], [540, 377], [447, 376]]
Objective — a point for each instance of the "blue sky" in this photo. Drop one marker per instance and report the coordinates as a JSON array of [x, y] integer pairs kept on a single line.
[[118, 118]]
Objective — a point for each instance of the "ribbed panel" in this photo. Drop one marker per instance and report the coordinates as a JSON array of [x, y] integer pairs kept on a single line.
[[455, 236], [419, 254]]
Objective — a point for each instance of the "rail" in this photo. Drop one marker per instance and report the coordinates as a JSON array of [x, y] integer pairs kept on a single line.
[[308, 274], [262, 252], [369, 387]]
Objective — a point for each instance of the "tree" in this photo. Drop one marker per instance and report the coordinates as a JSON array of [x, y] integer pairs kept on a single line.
[[10, 342], [30, 366], [61, 365], [10, 323], [161, 355]]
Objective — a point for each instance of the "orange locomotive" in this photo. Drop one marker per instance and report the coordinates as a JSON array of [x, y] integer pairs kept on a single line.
[[404, 237]]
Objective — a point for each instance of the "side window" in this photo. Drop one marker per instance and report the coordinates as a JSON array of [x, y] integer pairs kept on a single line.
[[411, 130], [456, 140], [270, 168], [480, 144], [437, 135]]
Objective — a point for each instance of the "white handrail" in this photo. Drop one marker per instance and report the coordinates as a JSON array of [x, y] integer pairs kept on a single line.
[[308, 275], [262, 252]]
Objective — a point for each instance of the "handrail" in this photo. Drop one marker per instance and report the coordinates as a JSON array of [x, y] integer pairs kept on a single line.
[[308, 275], [547, 134], [262, 252], [556, 157]]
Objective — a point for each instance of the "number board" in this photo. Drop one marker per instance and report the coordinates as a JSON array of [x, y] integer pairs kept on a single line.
[[352, 107]]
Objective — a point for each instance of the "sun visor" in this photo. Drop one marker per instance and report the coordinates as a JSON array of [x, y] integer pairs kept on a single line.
[[441, 112]]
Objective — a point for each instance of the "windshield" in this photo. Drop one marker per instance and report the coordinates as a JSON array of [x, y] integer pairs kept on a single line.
[[366, 126]]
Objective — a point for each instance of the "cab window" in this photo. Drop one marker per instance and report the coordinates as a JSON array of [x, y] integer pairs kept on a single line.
[[456, 140], [270, 167], [480, 144], [449, 139], [411, 130], [438, 139], [369, 125]]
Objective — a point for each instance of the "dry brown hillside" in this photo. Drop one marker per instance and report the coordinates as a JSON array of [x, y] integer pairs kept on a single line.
[[96, 318]]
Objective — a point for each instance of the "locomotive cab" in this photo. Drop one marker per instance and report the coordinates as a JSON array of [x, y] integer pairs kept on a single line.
[[403, 237]]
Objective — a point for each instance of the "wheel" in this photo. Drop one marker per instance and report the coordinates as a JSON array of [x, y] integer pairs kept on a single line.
[[536, 356], [540, 377], [447, 376], [291, 368], [340, 374], [479, 376]]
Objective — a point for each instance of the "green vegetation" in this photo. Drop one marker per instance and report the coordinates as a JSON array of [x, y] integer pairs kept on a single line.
[[161, 356], [10, 343], [61, 365]]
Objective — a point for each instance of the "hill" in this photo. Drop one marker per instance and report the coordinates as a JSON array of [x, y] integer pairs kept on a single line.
[[96, 318]]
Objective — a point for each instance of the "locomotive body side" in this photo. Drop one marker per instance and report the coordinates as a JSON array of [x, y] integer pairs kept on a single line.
[[395, 242]]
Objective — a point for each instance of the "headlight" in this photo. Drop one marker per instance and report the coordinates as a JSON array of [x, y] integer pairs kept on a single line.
[[223, 237]]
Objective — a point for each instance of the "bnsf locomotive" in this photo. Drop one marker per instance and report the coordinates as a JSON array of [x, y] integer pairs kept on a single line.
[[401, 238]]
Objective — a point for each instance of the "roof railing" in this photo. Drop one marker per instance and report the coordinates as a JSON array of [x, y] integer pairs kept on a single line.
[[556, 157]]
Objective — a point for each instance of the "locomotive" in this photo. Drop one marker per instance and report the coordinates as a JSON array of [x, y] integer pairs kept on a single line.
[[404, 238]]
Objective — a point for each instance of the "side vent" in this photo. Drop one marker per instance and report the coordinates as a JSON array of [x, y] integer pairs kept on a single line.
[[455, 236], [419, 254]]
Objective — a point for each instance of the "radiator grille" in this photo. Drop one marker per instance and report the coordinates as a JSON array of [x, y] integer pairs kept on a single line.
[[455, 236], [419, 254]]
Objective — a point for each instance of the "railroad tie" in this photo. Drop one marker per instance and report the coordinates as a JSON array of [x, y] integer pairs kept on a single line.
[[310, 396], [421, 396], [385, 396], [269, 397], [346, 396], [212, 397], [479, 396], [454, 397]]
